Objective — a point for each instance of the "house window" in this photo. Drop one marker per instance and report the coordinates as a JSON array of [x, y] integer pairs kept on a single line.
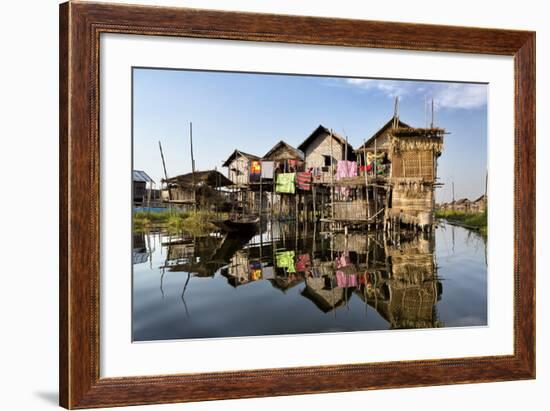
[[327, 160]]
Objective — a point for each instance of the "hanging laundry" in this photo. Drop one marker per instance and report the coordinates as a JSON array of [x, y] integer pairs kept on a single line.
[[285, 259], [286, 183], [255, 171], [268, 273], [303, 262], [344, 280], [303, 180], [346, 169], [255, 167], [318, 172], [256, 275], [267, 168], [371, 157], [343, 260], [380, 168]]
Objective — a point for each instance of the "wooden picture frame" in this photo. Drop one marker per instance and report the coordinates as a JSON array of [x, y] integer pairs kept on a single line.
[[80, 27]]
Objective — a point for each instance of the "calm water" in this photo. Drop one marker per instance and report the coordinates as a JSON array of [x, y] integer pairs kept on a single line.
[[292, 280]]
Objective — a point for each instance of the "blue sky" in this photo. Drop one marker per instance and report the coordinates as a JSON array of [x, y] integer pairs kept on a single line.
[[252, 112]]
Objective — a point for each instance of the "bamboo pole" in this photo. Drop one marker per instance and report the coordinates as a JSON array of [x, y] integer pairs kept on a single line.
[[331, 177], [314, 200], [165, 173], [375, 194], [432, 125], [260, 206], [193, 168], [366, 178]]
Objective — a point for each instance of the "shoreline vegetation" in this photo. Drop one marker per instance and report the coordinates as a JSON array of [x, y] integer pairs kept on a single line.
[[197, 224], [200, 223], [474, 221]]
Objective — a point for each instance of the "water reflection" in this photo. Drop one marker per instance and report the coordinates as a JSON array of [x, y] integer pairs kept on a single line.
[[298, 279]]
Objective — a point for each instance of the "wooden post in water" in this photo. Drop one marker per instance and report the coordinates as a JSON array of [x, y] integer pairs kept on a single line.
[[366, 180], [272, 195], [331, 178], [260, 207], [314, 200], [296, 199], [375, 193]]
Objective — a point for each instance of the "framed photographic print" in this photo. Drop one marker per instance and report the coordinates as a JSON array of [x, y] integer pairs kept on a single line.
[[257, 205]]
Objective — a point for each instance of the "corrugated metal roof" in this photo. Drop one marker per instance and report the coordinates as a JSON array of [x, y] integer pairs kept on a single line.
[[139, 175]]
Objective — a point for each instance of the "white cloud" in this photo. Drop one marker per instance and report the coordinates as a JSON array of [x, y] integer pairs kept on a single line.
[[445, 95], [465, 96], [389, 88]]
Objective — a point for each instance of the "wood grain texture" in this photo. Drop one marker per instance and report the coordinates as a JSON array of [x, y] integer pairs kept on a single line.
[[80, 27]]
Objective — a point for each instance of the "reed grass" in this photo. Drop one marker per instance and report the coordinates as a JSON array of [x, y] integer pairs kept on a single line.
[[477, 221], [198, 223]]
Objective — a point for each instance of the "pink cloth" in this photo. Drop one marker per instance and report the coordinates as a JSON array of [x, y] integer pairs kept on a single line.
[[343, 260], [346, 280], [346, 169]]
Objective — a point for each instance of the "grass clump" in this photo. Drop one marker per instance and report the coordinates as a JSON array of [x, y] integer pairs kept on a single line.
[[194, 223], [476, 221]]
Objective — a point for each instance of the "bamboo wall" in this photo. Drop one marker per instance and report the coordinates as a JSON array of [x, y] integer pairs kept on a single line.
[[238, 171], [416, 164], [415, 200], [320, 147], [356, 210]]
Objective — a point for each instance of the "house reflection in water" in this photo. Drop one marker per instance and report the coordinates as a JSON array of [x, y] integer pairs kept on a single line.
[[140, 253], [396, 277]]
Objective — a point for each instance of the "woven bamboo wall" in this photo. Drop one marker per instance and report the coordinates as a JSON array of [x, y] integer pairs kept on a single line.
[[417, 164], [239, 171], [352, 211], [320, 147], [412, 197]]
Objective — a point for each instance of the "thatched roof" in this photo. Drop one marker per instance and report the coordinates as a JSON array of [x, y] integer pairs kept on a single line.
[[283, 151], [432, 132], [322, 129], [236, 153], [381, 132], [212, 178]]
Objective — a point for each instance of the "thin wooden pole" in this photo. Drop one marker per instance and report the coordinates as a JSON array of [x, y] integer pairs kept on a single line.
[[296, 200], [432, 125], [366, 178], [453, 203], [165, 173], [346, 155], [375, 194], [331, 178], [425, 111], [272, 194], [314, 200], [193, 167], [261, 186]]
